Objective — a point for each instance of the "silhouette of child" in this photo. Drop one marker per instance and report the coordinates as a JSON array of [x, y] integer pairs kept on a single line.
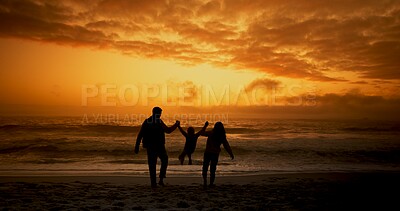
[[191, 141], [216, 137]]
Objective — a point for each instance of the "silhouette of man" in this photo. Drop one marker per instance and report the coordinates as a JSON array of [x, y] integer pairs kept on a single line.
[[153, 134]]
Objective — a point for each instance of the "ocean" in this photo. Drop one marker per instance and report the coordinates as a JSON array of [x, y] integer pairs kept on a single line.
[[75, 145]]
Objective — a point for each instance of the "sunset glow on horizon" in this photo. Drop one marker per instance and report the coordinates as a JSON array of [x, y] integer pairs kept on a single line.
[[192, 53]]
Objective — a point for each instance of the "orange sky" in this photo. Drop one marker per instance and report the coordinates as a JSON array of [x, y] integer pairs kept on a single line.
[[200, 53]]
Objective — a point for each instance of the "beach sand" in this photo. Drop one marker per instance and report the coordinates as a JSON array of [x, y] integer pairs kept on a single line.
[[288, 191]]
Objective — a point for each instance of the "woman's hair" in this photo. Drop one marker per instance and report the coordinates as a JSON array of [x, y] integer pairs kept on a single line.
[[219, 131]]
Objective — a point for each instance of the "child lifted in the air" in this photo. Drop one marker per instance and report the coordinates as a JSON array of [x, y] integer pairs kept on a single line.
[[191, 141]]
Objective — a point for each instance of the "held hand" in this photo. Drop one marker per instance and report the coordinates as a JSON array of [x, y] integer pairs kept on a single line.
[[178, 123], [206, 124]]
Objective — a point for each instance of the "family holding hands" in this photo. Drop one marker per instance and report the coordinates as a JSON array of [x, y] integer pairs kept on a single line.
[[153, 134]]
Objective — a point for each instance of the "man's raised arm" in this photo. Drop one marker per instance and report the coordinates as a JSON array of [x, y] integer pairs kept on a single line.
[[169, 129]]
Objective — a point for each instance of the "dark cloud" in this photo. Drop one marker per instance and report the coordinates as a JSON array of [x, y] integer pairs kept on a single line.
[[359, 105], [25, 26], [308, 39], [337, 106]]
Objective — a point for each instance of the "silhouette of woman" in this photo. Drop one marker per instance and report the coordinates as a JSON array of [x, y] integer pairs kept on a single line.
[[216, 137]]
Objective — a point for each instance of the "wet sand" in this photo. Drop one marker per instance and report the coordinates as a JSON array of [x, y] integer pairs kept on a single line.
[[289, 191]]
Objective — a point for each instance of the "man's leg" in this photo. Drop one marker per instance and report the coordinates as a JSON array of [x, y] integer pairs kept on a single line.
[[164, 164], [152, 162], [213, 168]]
